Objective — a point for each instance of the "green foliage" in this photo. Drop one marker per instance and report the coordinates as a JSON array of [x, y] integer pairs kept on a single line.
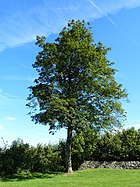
[[119, 146], [20, 158], [76, 86], [24, 160], [130, 147], [76, 83], [108, 146], [84, 144]]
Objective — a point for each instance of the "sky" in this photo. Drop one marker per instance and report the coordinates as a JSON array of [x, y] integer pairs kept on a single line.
[[114, 23]]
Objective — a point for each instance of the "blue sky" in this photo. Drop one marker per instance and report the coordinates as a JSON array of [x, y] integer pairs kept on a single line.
[[114, 23]]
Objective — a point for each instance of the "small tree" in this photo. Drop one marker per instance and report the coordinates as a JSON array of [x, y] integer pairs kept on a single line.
[[76, 85]]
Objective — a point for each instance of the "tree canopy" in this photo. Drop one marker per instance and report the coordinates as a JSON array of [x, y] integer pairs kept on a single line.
[[76, 84]]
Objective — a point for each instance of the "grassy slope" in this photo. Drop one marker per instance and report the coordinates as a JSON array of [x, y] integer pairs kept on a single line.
[[84, 178]]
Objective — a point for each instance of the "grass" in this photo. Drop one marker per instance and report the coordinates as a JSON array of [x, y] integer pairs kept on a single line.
[[84, 178]]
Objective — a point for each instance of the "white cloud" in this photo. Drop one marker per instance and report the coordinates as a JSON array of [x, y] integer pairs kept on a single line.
[[111, 6], [20, 26], [10, 103], [131, 3], [18, 78], [136, 126], [6, 96], [1, 127], [10, 118]]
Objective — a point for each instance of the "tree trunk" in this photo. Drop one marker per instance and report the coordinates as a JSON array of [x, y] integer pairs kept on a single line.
[[69, 149]]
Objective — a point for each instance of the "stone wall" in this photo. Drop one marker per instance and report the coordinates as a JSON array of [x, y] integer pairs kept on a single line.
[[112, 164]]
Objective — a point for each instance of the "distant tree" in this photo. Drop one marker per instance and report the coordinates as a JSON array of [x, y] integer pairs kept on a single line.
[[84, 145], [76, 86], [130, 144]]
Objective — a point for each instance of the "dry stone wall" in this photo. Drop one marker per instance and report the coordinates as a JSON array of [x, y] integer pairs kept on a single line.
[[112, 164]]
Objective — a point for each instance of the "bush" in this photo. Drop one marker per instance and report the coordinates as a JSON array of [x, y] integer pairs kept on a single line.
[[21, 159]]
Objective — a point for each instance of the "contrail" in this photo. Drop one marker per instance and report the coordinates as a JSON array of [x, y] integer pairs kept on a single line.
[[101, 11], [112, 22], [129, 37], [24, 66]]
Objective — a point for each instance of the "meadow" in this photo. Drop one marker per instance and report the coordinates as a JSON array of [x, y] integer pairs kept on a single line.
[[83, 178]]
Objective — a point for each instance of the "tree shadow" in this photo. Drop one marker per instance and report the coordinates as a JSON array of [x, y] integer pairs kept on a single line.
[[26, 176]]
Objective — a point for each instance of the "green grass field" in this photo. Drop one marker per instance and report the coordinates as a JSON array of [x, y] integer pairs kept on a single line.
[[84, 178]]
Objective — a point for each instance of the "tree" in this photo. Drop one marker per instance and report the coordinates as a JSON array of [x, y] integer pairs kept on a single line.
[[130, 144], [76, 86], [83, 146]]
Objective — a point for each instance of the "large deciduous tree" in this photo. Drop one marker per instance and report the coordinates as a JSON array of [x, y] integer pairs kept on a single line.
[[76, 86]]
